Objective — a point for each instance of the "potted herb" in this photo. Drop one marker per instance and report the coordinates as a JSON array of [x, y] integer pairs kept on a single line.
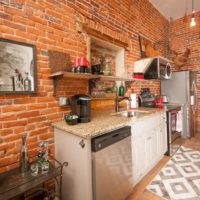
[[71, 119]]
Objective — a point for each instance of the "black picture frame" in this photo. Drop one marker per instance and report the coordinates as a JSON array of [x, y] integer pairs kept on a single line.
[[18, 69], [143, 42]]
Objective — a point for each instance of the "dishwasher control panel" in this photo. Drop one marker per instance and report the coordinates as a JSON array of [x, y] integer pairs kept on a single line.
[[109, 138]]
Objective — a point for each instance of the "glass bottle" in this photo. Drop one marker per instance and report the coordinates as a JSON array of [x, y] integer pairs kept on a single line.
[[24, 164], [121, 90]]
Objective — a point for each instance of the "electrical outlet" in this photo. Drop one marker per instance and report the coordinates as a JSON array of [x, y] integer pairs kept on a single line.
[[63, 101]]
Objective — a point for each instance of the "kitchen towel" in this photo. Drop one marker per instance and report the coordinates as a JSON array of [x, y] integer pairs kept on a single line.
[[179, 122]]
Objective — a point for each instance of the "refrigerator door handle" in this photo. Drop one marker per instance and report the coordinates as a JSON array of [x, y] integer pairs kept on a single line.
[[194, 99]]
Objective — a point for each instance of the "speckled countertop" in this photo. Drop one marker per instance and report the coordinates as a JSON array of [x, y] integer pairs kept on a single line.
[[102, 122]]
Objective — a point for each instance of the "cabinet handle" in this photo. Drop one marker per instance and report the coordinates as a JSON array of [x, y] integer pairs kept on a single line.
[[82, 143]]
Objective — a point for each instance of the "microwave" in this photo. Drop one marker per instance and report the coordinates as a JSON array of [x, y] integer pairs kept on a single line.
[[159, 68]]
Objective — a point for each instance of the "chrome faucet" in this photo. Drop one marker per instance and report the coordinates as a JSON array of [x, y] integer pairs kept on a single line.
[[118, 100]]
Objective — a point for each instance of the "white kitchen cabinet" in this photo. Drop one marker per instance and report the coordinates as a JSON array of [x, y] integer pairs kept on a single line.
[[162, 134], [77, 176], [139, 163], [149, 143]]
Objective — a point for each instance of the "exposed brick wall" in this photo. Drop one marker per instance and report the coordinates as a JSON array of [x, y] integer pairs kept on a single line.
[[51, 25], [183, 36]]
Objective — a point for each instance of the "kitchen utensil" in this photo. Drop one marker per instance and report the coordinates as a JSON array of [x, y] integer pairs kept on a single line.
[[165, 99], [80, 69], [160, 101], [83, 61], [76, 62], [96, 69], [73, 69], [81, 65]]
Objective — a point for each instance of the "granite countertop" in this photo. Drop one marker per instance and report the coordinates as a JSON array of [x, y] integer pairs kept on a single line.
[[102, 122]]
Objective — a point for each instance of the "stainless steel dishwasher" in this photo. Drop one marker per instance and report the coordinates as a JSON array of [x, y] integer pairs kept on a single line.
[[112, 165]]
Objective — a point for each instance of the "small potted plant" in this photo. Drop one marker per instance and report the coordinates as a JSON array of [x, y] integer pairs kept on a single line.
[[71, 119]]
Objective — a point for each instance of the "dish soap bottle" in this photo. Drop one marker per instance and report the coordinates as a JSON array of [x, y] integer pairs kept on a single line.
[[121, 90]]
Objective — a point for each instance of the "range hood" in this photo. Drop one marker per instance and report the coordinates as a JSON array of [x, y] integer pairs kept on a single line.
[[154, 68]]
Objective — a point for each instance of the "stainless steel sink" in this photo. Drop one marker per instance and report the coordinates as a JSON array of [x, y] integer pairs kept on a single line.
[[132, 113]]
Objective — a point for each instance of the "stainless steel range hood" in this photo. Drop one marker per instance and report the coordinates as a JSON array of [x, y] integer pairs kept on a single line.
[[154, 68]]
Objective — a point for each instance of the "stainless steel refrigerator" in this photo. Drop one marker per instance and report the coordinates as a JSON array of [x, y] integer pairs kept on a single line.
[[182, 89]]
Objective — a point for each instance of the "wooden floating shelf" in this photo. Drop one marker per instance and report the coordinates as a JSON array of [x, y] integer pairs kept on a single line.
[[105, 98], [114, 78], [102, 98], [88, 76], [74, 75]]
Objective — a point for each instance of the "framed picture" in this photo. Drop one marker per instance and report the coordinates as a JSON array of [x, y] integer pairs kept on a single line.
[[17, 67], [143, 46], [147, 48]]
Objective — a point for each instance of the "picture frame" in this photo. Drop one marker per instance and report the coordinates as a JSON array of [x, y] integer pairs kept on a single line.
[[18, 72], [148, 48], [143, 42]]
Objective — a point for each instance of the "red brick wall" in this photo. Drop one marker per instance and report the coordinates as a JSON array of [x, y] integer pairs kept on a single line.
[[51, 25], [183, 36]]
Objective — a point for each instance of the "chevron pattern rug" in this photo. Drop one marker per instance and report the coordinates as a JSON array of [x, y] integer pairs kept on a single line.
[[180, 178]]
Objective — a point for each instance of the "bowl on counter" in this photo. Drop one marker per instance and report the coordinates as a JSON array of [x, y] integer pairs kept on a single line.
[[71, 119]]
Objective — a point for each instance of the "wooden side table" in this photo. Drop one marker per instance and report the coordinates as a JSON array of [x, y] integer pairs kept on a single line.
[[14, 184]]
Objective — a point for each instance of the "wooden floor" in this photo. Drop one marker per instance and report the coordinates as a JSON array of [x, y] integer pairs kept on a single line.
[[139, 192]]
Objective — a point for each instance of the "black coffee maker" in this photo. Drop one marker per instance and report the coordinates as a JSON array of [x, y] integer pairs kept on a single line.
[[81, 106]]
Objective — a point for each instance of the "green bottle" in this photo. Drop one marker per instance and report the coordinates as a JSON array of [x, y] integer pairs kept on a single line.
[[121, 90]]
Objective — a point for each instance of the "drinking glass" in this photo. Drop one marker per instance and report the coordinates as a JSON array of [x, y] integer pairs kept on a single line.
[[34, 169], [45, 167]]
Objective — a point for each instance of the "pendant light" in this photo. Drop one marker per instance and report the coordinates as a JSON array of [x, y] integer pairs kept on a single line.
[[193, 21]]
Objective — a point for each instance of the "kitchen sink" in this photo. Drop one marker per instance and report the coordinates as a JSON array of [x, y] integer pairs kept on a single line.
[[132, 113]]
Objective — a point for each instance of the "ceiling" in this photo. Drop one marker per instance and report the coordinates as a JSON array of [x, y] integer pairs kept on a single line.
[[175, 8]]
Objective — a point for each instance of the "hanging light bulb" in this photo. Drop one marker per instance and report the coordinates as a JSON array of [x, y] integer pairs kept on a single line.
[[193, 21]]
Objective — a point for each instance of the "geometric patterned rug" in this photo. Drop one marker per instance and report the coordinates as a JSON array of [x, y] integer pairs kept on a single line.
[[180, 178]]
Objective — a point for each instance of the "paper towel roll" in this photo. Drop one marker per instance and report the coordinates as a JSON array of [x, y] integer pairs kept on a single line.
[[133, 98]]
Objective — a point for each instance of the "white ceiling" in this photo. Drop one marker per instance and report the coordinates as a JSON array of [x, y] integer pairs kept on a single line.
[[175, 8]]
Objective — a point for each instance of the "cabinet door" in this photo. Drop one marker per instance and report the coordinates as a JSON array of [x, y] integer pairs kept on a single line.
[[163, 134], [158, 141], [77, 177], [144, 151], [149, 143], [151, 148], [139, 159]]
